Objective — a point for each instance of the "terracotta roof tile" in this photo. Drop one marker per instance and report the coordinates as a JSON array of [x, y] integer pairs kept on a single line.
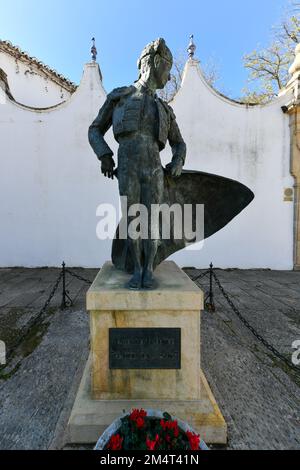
[[15, 51]]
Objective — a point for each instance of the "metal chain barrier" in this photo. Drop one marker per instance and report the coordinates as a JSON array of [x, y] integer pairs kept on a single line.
[[66, 299], [209, 298], [87, 281], [35, 320], [197, 278], [66, 302], [253, 331]]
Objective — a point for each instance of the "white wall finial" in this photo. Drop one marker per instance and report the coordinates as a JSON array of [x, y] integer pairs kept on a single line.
[[191, 47], [94, 50]]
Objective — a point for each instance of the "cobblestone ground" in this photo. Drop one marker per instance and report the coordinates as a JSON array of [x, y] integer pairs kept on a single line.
[[258, 395]]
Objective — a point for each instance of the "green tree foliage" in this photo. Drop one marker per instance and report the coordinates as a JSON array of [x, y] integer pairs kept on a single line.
[[268, 68]]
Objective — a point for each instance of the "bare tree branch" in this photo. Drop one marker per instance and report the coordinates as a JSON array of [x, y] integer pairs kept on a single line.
[[268, 68], [209, 69]]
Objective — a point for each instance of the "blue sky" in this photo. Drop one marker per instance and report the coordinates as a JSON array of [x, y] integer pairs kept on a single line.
[[58, 32]]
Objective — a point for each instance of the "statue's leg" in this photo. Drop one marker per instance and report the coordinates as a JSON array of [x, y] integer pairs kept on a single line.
[[135, 251], [129, 186], [152, 193]]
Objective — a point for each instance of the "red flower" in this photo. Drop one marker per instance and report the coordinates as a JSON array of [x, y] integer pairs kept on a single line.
[[140, 422], [170, 425], [115, 442], [151, 444], [194, 440], [135, 414]]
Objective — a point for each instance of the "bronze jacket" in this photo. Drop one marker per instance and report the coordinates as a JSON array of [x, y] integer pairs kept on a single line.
[[124, 114]]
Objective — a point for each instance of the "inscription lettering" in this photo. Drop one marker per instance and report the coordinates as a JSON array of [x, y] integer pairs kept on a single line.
[[144, 348]]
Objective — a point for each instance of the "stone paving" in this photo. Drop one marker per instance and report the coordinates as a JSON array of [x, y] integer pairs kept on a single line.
[[258, 395]]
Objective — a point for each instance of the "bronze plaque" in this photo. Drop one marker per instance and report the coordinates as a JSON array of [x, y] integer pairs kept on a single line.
[[144, 348]]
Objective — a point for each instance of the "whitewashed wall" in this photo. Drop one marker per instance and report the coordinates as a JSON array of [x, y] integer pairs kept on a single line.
[[51, 182], [30, 86]]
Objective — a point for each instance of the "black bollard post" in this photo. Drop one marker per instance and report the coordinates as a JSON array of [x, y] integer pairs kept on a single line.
[[63, 301], [66, 300], [210, 306]]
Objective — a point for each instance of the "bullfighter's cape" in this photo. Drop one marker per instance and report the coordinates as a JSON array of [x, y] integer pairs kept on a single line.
[[223, 199]]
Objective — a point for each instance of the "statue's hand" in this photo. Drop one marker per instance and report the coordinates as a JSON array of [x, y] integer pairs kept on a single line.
[[174, 168], [107, 166]]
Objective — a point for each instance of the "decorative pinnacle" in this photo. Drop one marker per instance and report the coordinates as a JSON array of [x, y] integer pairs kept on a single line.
[[94, 50], [191, 47]]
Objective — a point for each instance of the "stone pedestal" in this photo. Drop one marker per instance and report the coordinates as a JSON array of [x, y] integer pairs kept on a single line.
[[110, 384]]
